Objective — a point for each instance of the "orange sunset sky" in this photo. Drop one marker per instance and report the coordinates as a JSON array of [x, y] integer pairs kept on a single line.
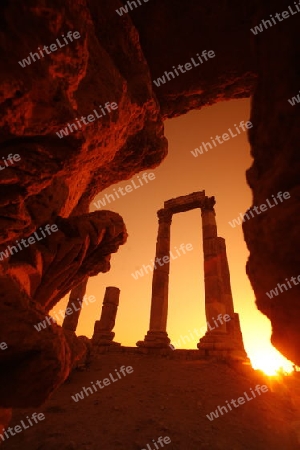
[[221, 173]]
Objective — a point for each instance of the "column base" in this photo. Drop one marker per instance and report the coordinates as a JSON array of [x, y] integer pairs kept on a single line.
[[104, 338], [238, 337], [221, 345], [155, 339], [214, 341]]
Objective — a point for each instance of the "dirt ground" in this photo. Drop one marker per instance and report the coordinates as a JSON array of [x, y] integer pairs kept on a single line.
[[168, 398]]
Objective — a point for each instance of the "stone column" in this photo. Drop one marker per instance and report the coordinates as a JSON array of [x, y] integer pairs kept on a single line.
[[233, 326], [240, 352], [103, 334], [216, 341], [227, 294], [75, 304], [157, 335], [223, 340], [214, 292]]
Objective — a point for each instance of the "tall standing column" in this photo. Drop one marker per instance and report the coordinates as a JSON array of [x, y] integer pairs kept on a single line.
[[233, 326], [75, 304], [214, 292], [227, 294], [157, 335]]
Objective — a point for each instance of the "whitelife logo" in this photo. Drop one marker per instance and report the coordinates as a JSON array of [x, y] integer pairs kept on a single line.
[[90, 118], [69, 310], [3, 345], [263, 207], [161, 261], [11, 158], [266, 23], [128, 188], [53, 48], [202, 330], [18, 428], [31, 240], [124, 9], [225, 137], [106, 381], [161, 441], [292, 101], [274, 292], [241, 400], [187, 66]]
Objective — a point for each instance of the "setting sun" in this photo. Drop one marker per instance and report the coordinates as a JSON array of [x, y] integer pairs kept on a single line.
[[270, 362]]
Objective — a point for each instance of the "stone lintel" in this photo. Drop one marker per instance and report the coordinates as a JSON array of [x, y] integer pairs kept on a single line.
[[187, 202]]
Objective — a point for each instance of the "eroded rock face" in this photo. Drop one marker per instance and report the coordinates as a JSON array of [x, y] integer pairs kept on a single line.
[[273, 236], [5, 416], [173, 33], [60, 176], [35, 279], [56, 178]]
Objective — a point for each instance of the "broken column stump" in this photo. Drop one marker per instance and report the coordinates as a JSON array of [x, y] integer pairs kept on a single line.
[[103, 334]]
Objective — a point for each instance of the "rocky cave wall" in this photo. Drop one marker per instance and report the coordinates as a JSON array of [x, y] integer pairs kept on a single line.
[[115, 60]]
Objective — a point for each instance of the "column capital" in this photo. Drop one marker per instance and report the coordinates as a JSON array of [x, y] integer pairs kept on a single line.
[[208, 204], [164, 216]]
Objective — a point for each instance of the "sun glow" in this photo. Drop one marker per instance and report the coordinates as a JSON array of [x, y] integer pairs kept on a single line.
[[271, 363]]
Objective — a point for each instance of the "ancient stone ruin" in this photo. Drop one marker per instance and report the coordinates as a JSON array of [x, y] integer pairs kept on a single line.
[[31, 284], [76, 296], [224, 340], [103, 334]]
